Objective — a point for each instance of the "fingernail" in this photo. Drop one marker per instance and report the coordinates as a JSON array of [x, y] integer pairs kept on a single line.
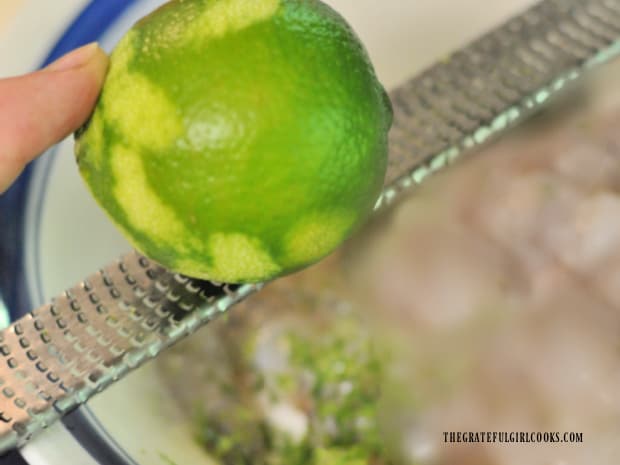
[[75, 59]]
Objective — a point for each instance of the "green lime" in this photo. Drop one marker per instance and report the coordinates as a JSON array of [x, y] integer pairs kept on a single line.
[[238, 140]]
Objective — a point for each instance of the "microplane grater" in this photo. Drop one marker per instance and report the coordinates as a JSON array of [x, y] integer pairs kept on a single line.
[[59, 355]]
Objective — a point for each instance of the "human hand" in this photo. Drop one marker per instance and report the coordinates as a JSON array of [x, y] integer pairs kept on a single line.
[[40, 109]]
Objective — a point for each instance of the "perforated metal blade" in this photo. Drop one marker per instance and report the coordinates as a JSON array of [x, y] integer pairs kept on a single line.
[[58, 356]]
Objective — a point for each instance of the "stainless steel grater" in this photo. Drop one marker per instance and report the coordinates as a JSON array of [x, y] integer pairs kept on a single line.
[[61, 354]]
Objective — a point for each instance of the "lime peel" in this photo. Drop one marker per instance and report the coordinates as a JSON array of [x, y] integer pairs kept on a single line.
[[151, 118], [230, 16], [234, 257], [311, 236], [238, 140], [147, 213]]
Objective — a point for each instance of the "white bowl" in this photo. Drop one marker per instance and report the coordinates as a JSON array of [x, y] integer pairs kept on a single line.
[[65, 236]]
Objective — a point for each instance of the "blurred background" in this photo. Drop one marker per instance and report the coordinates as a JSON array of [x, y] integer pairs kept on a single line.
[[486, 301]]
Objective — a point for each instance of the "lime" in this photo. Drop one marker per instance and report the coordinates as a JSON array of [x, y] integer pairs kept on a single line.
[[238, 140]]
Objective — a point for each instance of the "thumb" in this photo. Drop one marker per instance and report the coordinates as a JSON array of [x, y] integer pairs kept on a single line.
[[42, 108]]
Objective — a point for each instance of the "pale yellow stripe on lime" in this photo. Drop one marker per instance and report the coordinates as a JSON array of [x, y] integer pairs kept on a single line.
[[223, 17], [142, 207], [237, 256], [123, 53], [141, 111], [93, 140], [313, 236]]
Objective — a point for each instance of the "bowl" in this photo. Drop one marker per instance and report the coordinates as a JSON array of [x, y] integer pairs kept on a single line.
[[54, 234]]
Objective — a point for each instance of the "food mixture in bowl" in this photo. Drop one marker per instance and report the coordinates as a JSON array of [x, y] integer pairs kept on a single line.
[[486, 301], [291, 377]]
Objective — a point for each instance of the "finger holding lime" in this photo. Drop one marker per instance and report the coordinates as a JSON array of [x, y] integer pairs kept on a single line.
[[238, 140]]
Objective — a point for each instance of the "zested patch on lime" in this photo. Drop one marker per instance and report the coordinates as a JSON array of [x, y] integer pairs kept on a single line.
[[238, 140]]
